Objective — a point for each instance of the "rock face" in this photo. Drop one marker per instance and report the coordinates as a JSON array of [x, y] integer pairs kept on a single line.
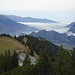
[[12, 27], [55, 37], [22, 57]]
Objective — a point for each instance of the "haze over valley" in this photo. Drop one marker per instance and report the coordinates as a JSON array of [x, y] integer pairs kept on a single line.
[[59, 27], [42, 24]]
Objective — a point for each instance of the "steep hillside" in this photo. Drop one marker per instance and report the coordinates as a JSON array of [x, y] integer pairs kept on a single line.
[[11, 44], [40, 44], [31, 46], [12, 27]]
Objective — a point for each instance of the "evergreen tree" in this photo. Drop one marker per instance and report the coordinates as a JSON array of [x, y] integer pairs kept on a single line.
[[31, 52], [14, 59], [1, 63], [27, 60], [7, 61], [62, 65], [44, 65], [73, 61]]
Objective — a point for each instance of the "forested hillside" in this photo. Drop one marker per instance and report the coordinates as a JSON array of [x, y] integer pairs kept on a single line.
[[52, 60]]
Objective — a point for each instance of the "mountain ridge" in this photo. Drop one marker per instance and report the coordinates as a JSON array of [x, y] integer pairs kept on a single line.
[[70, 25], [55, 37], [30, 19], [71, 31], [12, 27]]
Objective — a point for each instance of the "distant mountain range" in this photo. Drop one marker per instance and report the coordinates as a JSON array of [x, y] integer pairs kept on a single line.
[[12, 27], [55, 37], [67, 38], [29, 19]]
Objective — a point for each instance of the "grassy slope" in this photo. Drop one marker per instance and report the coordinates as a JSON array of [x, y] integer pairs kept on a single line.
[[8, 43]]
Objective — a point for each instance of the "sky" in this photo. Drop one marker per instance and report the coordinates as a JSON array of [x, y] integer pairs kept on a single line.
[[58, 10]]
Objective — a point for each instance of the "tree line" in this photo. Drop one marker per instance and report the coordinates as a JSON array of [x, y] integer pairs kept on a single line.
[[64, 64]]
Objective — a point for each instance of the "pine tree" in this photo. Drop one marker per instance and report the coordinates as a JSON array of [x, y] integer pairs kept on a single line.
[[14, 59], [7, 61], [62, 65], [73, 61], [44, 65], [1, 63], [27, 60]]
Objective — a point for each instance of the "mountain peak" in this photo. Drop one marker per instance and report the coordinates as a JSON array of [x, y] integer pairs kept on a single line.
[[72, 27]]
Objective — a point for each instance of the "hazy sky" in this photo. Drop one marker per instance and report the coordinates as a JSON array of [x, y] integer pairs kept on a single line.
[[59, 10]]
